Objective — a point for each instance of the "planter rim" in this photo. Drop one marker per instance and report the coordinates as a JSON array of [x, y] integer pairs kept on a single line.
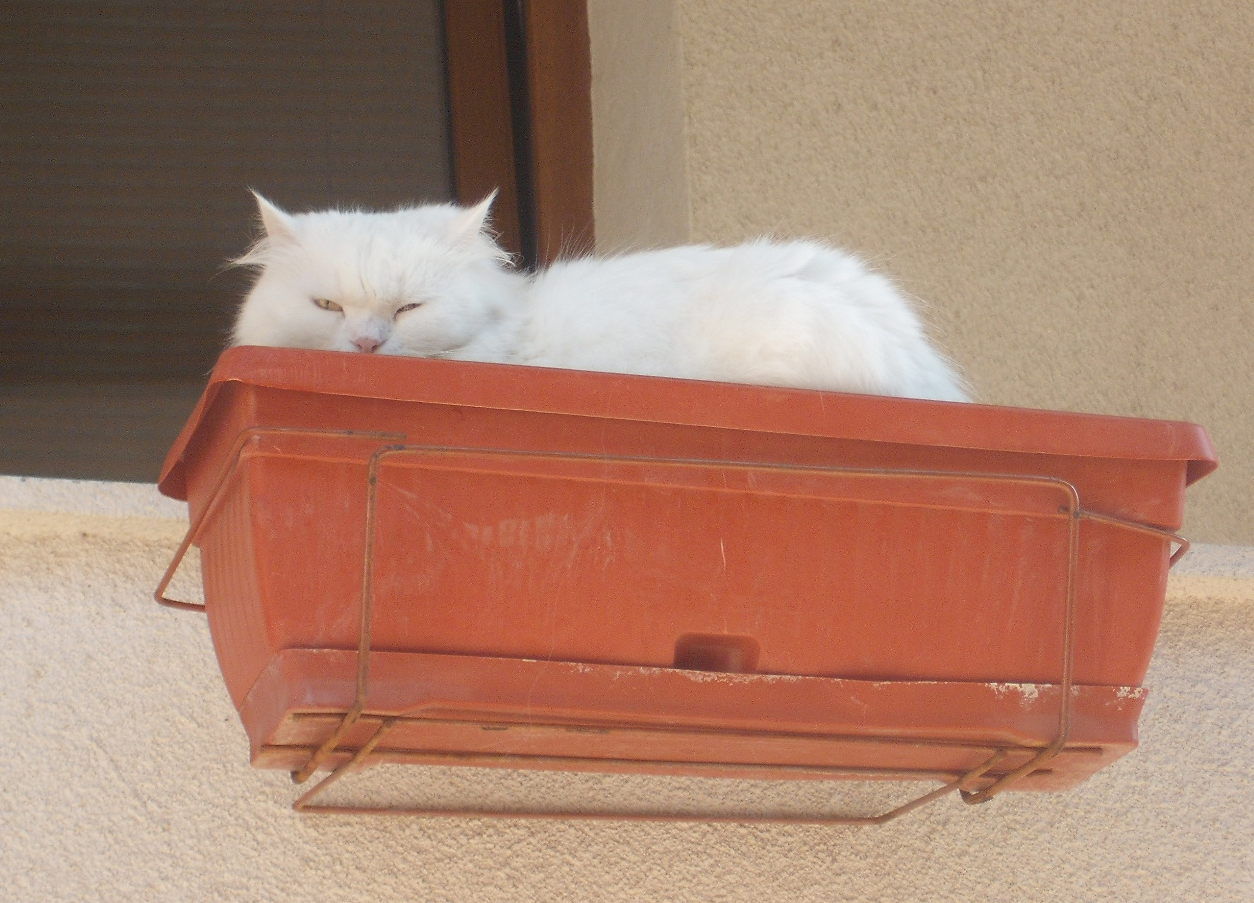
[[614, 396]]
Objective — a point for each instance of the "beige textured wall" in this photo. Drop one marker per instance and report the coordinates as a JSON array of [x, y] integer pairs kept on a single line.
[[640, 186], [125, 772], [1068, 186]]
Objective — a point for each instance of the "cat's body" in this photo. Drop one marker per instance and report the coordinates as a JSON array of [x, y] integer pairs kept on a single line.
[[430, 282]]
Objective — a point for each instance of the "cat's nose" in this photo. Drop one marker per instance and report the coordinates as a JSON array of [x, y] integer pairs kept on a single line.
[[367, 343]]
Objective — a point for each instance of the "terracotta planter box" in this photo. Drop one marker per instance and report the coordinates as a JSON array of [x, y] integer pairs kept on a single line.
[[557, 569]]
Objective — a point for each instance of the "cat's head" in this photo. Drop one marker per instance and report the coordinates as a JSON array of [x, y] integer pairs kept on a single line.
[[424, 281]]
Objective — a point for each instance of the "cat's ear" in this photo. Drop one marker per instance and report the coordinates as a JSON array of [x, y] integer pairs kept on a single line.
[[277, 223], [471, 222]]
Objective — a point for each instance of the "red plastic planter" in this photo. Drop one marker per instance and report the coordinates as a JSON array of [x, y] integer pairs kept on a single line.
[[428, 561]]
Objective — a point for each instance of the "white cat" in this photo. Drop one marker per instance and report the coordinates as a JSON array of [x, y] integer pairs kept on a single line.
[[431, 282]]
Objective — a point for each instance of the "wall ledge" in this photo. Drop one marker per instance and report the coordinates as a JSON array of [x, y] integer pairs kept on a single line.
[[39, 505], [88, 497], [1214, 571]]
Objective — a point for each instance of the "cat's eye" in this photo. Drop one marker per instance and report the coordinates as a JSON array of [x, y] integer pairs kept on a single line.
[[408, 307], [327, 304]]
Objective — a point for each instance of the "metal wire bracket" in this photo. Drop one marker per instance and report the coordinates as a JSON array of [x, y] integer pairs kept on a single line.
[[973, 786], [965, 784], [220, 483]]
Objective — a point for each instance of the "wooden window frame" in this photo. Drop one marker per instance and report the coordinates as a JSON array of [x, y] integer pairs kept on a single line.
[[520, 106]]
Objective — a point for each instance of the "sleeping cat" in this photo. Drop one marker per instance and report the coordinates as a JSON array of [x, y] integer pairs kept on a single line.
[[430, 281]]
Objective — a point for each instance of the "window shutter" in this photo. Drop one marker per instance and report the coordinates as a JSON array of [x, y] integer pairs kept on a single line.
[[131, 133]]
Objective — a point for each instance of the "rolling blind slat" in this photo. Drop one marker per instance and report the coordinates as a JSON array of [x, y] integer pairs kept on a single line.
[[131, 131]]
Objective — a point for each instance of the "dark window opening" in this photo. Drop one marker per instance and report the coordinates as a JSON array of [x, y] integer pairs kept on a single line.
[[133, 131]]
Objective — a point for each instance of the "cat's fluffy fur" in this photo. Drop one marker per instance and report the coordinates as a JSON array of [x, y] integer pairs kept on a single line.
[[430, 281]]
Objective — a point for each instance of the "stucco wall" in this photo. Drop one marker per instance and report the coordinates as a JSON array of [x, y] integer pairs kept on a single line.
[[125, 771], [640, 189], [1068, 187]]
